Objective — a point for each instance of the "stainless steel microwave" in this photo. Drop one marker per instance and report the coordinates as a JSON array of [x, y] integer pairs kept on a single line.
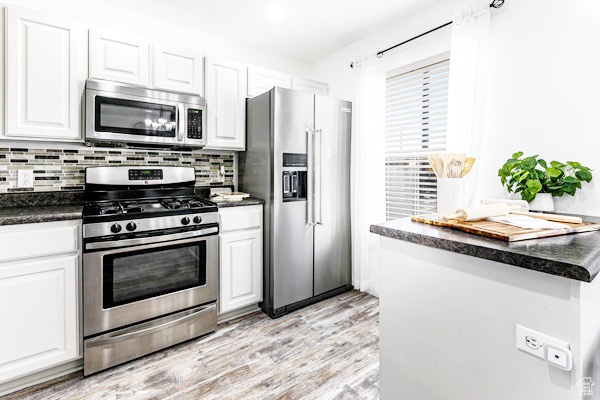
[[136, 116]]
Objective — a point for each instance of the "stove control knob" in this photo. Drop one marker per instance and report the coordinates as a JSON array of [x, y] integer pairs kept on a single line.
[[115, 228], [131, 226], [197, 219], [185, 220]]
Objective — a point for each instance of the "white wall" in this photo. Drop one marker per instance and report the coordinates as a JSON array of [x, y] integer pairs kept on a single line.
[[335, 68], [543, 90], [447, 325], [90, 12], [542, 84]]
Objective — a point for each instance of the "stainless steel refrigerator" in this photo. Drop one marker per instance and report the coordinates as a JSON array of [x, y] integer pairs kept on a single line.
[[298, 159]]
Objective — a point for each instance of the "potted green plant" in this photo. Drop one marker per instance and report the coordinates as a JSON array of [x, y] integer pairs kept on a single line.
[[537, 182]]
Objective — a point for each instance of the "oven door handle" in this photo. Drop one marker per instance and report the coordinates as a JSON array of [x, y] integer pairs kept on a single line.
[[149, 240], [108, 339]]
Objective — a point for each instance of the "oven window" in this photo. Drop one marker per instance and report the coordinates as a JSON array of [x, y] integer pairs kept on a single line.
[[134, 117], [138, 275]]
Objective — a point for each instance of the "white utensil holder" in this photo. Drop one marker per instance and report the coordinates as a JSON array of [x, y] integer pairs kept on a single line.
[[450, 195]]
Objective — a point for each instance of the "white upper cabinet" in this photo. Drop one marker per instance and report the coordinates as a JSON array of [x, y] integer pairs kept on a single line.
[[314, 87], [44, 79], [261, 80], [178, 70], [226, 104], [119, 57]]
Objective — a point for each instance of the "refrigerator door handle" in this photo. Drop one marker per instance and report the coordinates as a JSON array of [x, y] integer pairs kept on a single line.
[[310, 210], [317, 181]]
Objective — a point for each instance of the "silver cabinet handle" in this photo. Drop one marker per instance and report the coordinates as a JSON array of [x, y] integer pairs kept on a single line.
[[108, 339], [310, 211], [317, 181]]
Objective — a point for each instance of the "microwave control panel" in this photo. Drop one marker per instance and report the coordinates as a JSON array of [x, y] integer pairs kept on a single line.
[[194, 123]]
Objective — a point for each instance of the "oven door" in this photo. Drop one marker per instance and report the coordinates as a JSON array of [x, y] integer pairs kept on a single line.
[[133, 284], [117, 117]]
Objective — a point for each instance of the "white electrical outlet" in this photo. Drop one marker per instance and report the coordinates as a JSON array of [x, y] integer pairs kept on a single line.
[[25, 178], [554, 351]]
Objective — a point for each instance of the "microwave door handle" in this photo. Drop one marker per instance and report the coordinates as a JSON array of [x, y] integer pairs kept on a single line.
[[180, 122]]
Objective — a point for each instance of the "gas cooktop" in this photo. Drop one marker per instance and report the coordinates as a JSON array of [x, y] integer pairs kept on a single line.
[[145, 208]]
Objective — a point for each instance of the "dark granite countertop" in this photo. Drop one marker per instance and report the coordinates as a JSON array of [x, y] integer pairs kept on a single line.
[[34, 214], [33, 207], [251, 201], [575, 256]]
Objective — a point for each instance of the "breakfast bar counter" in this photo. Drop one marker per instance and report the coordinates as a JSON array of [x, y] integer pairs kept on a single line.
[[450, 303], [574, 256]]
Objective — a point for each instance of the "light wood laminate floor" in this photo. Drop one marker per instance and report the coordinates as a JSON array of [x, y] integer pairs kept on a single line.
[[329, 350]]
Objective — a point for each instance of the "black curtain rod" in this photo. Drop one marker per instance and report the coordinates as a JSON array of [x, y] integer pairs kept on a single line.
[[494, 4]]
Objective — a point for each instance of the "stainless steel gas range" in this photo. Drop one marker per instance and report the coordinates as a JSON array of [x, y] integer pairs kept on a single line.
[[150, 263]]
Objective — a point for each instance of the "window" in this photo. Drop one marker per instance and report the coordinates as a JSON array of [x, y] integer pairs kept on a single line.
[[416, 102]]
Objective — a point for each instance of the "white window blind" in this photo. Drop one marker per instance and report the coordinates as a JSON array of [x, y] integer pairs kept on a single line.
[[415, 126]]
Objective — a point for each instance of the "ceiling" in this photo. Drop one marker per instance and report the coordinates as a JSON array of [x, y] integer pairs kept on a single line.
[[311, 30]]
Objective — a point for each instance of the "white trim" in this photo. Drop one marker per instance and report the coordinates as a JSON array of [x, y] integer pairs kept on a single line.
[[41, 377], [438, 58]]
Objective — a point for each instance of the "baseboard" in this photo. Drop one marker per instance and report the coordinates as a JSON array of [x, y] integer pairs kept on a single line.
[[228, 316], [40, 377]]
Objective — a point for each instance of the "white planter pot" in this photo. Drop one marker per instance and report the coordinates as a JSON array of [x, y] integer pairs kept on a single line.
[[542, 202]]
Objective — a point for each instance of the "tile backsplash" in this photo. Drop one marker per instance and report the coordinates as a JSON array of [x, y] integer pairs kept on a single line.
[[56, 170]]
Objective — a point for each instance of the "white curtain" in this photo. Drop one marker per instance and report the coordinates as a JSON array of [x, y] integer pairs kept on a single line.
[[467, 86], [367, 170]]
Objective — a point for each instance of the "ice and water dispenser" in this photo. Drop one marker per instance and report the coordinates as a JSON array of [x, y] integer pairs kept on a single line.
[[294, 181]]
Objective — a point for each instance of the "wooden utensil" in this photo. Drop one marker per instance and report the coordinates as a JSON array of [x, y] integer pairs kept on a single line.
[[453, 164], [436, 164], [468, 165]]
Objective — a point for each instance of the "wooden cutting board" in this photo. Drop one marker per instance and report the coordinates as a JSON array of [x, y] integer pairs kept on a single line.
[[508, 233]]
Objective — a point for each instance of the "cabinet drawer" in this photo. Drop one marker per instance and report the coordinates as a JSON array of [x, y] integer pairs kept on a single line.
[[36, 240], [240, 218]]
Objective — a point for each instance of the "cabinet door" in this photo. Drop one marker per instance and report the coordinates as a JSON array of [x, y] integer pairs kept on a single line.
[[226, 104], [314, 87], [178, 70], [118, 57], [43, 77], [38, 310], [241, 269], [261, 80]]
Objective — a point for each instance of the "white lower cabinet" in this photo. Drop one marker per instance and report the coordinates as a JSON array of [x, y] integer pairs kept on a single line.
[[241, 258], [39, 301]]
